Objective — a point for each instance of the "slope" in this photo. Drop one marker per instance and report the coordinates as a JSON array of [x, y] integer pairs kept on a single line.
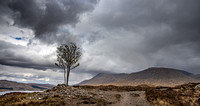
[[103, 78], [158, 77], [6, 85]]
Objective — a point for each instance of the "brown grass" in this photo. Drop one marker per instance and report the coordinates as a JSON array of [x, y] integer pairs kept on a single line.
[[15, 97], [183, 95], [116, 88]]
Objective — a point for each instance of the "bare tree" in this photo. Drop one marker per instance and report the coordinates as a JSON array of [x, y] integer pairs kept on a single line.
[[68, 57]]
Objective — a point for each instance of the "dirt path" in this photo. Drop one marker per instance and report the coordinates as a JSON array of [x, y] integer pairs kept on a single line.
[[134, 98]]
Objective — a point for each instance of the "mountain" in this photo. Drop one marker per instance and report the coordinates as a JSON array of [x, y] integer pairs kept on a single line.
[[158, 77], [154, 76], [103, 78], [11, 85], [41, 86]]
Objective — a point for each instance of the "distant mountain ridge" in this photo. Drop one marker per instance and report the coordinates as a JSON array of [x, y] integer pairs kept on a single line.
[[103, 78], [155, 76], [6, 85]]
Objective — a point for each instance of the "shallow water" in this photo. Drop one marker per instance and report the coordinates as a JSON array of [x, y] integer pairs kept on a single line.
[[5, 92]]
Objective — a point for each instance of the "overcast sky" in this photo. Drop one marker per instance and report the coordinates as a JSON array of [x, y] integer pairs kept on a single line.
[[116, 36]]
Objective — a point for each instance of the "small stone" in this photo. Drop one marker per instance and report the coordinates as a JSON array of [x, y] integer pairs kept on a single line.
[[197, 86]]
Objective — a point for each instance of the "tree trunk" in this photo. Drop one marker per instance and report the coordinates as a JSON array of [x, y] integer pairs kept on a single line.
[[68, 71], [64, 76]]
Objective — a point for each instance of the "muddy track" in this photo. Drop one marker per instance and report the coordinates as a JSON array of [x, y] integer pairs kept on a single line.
[[131, 98], [134, 98]]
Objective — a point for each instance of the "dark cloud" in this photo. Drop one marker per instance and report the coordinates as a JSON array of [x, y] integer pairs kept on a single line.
[[118, 36], [181, 16], [131, 14], [26, 13], [12, 55], [45, 17], [29, 75], [149, 33]]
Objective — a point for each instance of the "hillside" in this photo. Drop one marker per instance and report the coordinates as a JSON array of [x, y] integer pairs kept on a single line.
[[197, 76], [103, 78], [151, 76], [63, 95], [158, 77], [11, 85]]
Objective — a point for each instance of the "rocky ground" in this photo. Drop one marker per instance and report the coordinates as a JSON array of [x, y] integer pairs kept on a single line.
[[143, 95], [182, 95]]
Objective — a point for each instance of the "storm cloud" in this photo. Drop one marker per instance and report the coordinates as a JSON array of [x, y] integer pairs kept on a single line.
[[16, 55], [45, 17], [144, 33], [116, 36]]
